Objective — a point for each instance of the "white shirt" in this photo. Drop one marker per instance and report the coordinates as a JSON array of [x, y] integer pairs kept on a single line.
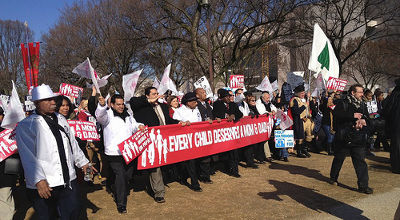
[[115, 130], [261, 107], [244, 109], [185, 113], [38, 150]]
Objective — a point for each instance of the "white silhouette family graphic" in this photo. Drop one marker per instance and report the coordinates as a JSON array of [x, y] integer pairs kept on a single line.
[[157, 143]]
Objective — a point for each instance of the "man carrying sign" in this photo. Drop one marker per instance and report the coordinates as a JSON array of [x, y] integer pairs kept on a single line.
[[118, 125]]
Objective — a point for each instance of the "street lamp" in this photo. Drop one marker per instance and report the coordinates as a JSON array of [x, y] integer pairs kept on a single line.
[[206, 5]]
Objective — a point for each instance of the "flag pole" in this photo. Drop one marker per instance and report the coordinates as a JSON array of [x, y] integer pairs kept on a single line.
[[29, 56]]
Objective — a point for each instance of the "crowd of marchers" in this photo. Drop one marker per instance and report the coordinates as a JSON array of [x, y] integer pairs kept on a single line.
[[55, 162]]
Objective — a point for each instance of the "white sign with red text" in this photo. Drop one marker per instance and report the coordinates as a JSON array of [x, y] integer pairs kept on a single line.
[[134, 145], [336, 84]]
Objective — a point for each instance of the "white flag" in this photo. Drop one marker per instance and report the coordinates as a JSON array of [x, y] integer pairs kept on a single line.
[[204, 84], [156, 82], [286, 121], [265, 85], [167, 83], [129, 83], [86, 70], [323, 59], [14, 113], [275, 85]]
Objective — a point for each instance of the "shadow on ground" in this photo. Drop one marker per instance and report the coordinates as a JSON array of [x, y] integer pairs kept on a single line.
[[312, 199]]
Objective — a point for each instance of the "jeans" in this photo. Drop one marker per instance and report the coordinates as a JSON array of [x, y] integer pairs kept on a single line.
[[64, 201], [329, 135], [283, 152]]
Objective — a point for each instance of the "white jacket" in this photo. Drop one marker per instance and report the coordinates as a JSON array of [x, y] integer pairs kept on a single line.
[[115, 130], [261, 107], [185, 113], [244, 108], [38, 150]]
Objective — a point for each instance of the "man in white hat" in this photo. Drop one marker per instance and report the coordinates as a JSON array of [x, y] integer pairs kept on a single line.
[[48, 152]]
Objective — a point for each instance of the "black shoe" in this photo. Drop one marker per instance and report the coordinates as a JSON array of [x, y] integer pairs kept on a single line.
[[285, 159], [269, 159], [237, 175], [121, 209], [333, 182], [366, 190], [196, 188], [159, 199], [252, 166], [307, 154], [206, 180], [301, 155]]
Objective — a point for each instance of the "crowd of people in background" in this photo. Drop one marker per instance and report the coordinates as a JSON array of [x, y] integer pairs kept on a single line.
[[55, 162]]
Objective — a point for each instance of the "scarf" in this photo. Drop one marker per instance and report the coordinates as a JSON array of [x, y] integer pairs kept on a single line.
[[352, 100], [122, 115]]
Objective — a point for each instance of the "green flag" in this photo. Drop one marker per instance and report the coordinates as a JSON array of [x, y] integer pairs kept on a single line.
[[323, 57]]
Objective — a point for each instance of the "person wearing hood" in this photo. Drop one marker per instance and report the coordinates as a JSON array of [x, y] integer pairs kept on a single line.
[[118, 125], [391, 112], [49, 154]]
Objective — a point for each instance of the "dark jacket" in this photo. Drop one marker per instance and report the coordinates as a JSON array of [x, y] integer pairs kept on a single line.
[[343, 116], [326, 118], [143, 112], [205, 111], [220, 110]]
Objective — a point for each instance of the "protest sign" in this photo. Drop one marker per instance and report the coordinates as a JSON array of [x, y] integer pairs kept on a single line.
[[7, 146], [4, 101], [70, 90], [372, 107], [174, 143], [134, 145], [203, 83], [84, 130], [236, 81], [285, 121], [336, 84], [295, 78], [284, 139], [29, 105]]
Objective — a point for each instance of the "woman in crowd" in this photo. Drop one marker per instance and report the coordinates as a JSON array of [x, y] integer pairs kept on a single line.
[[380, 128], [64, 107], [173, 104], [327, 121]]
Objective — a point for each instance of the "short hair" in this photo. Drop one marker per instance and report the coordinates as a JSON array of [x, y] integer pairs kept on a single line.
[[115, 97], [247, 94], [353, 88], [368, 92], [59, 101], [237, 91], [148, 89], [378, 93], [263, 92]]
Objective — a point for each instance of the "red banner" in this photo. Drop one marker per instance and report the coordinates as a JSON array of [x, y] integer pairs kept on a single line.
[[174, 143], [84, 130], [70, 90], [25, 60], [134, 145], [237, 81], [34, 53], [336, 84], [8, 147]]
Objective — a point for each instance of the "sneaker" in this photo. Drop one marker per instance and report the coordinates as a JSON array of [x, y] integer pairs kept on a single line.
[[366, 190], [121, 209], [159, 199]]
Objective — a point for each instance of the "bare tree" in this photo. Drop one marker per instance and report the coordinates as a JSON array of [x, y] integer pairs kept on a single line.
[[12, 34]]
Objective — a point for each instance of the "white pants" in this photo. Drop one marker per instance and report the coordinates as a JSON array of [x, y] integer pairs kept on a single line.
[[7, 207]]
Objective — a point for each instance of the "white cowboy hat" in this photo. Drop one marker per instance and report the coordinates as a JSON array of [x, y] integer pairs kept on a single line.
[[42, 92]]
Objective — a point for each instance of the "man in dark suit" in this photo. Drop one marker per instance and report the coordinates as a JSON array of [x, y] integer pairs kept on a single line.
[[225, 108], [147, 110]]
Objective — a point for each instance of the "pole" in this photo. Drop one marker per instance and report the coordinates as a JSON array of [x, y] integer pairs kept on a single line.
[[210, 64]]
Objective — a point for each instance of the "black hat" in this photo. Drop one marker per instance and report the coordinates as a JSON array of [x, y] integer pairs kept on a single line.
[[299, 88], [222, 93], [190, 96]]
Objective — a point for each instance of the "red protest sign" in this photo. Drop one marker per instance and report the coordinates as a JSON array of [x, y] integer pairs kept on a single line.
[[174, 143], [336, 84], [237, 81], [70, 90], [134, 145], [84, 130], [8, 147]]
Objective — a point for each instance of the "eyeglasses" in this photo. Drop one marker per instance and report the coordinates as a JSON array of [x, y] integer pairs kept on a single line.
[[252, 100]]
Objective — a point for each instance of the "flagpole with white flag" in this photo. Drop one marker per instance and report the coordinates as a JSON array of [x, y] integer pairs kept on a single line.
[[129, 83], [265, 85], [167, 83], [15, 112], [156, 82], [86, 70], [323, 59]]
